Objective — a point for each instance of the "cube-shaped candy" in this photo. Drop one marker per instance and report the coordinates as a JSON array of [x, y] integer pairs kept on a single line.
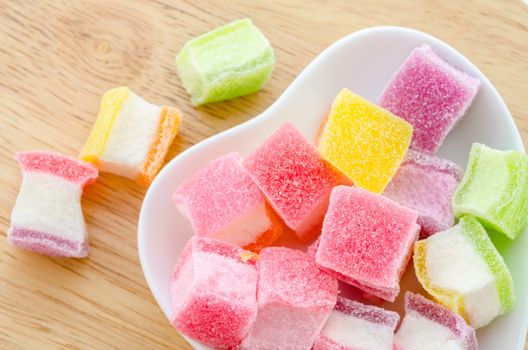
[[426, 184], [296, 181], [130, 136], [222, 201], [430, 94], [295, 299], [47, 217], [462, 270], [430, 326], [367, 240], [353, 326], [214, 292], [494, 189], [365, 142], [230, 61]]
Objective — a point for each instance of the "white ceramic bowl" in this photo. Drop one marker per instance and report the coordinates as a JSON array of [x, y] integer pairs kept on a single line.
[[363, 62]]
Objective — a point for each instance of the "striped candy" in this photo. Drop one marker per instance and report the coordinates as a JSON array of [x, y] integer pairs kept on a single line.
[[130, 136]]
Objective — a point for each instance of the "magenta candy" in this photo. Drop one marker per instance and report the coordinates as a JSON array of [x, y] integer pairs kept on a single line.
[[430, 94], [367, 240], [426, 184], [295, 299]]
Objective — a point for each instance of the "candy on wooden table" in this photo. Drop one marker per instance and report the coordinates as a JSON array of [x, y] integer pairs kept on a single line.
[[296, 181], [462, 270], [47, 217], [430, 326], [295, 299], [230, 61], [494, 189], [430, 94], [214, 291], [131, 136], [426, 184], [353, 325], [367, 240], [222, 202], [363, 141]]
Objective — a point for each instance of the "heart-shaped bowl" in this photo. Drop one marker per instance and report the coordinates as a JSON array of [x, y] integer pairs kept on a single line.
[[364, 62]]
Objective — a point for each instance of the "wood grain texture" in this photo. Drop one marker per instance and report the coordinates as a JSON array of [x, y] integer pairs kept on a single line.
[[57, 58]]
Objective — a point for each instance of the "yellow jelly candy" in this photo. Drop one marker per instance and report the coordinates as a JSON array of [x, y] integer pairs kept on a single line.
[[365, 142]]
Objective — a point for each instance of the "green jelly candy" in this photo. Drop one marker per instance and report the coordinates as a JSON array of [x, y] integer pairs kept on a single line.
[[494, 190], [230, 61]]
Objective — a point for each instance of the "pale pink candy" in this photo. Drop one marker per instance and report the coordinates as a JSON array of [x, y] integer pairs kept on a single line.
[[213, 292], [430, 94], [428, 325], [426, 184], [294, 178], [222, 202], [294, 300], [47, 217], [367, 240], [353, 325]]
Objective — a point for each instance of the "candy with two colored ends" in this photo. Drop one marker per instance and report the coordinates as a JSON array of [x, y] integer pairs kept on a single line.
[[222, 202], [353, 325], [426, 184], [130, 136], [213, 292], [367, 240], [230, 61], [296, 181], [494, 189], [430, 94], [295, 299], [430, 326], [47, 217], [463, 271], [365, 142]]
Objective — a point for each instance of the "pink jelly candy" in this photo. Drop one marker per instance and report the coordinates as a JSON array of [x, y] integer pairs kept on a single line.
[[222, 202], [426, 184], [353, 325], [213, 292], [367, 240], [47, 217], [294, 178], [427, 325], [295, 299], [430, 94]]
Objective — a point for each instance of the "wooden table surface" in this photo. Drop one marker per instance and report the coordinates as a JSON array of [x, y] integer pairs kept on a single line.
[[57, 58]]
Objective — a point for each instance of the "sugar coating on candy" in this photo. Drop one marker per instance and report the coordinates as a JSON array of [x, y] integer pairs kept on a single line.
[[213, 292], [47, 217], [426, 184], [462, 270], [427, 325], [367, 240], [56, 164], [295, 299], [353, 325], [430, 94], [230, 61], [363, 141], [223, 202], [494, 189], [294, 178], [131, 136]]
